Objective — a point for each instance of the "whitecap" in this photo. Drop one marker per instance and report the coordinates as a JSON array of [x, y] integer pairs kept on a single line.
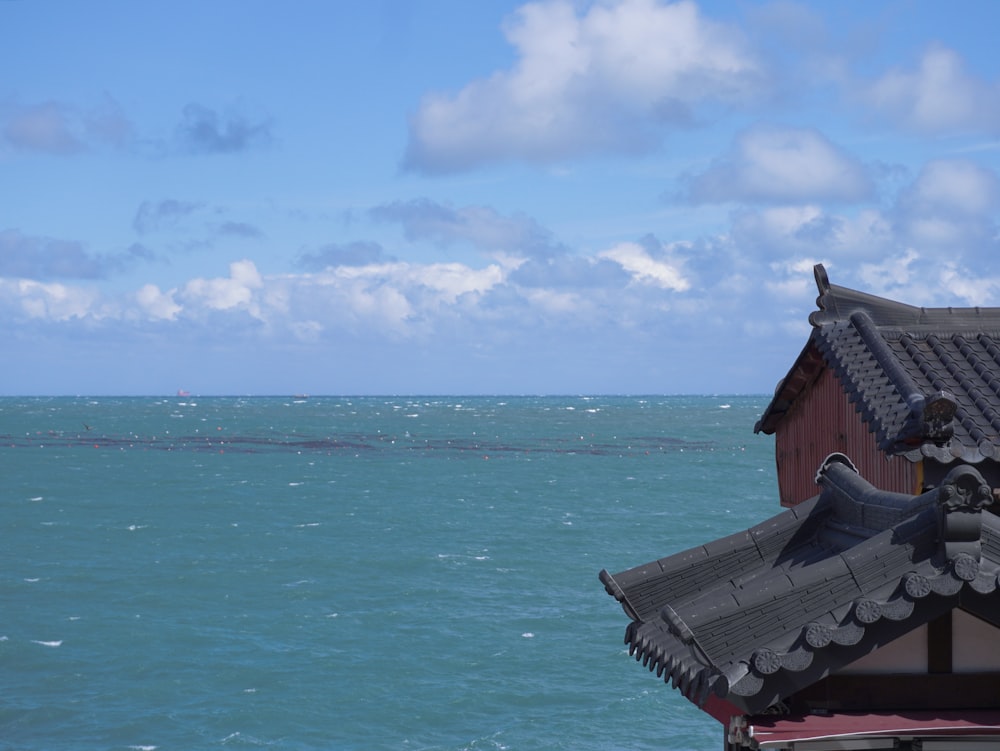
[[143, 748], [294, 484], [528, 635], [47, 643], [244, 740], [37, 498], [32, 581]]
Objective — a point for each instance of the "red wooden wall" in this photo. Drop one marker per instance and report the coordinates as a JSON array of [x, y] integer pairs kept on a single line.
[[823, 421]]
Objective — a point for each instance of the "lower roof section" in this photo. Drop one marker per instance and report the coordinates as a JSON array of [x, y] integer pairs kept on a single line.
[[757, 617], [964, 729]]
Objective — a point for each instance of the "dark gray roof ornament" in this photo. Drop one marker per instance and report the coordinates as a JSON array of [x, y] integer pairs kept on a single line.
[[961, 497]]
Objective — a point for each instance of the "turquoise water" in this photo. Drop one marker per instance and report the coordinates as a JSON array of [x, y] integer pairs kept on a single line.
[[353, 573]]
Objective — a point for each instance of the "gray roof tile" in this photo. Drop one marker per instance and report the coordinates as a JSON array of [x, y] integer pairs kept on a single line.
[[772, 602], [926, 381]]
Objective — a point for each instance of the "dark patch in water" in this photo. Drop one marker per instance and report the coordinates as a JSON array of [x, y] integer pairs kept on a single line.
[[351, 443]]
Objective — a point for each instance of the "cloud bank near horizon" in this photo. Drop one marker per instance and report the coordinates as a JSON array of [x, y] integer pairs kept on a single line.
[[891, 183]]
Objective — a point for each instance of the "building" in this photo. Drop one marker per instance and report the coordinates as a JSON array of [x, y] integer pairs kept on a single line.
[[867, 614], [877, 380]]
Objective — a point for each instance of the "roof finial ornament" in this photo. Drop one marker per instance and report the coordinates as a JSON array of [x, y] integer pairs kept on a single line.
[[822, 280]]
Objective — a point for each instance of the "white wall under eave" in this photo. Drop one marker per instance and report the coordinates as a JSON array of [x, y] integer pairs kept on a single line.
[[974, 644], [974, 649], [908, 654]]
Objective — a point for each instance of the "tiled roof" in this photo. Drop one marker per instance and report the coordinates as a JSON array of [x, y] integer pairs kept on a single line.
[[756, 616], [925, 380]]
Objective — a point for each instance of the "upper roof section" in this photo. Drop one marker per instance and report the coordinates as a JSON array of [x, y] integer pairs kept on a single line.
[[754, 617], [925, 380]]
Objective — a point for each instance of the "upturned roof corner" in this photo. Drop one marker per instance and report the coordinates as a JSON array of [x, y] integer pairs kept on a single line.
[[887, 446], [920, 378], [811, 589]]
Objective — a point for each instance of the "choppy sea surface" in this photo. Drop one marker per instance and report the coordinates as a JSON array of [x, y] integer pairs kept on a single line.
[[367, 573]]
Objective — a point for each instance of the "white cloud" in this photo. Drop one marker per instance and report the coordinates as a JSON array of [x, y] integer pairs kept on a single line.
[[951, 208], [446, 281], [779, 164], [974, 288], [224, 293], [957, 187], [558, 302], [809, 231], [52, 301], [887, 275], [635, 259], [609, 79], [156, 304], [938, 96]]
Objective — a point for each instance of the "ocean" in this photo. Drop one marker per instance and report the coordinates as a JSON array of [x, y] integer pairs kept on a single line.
[[406, 573]]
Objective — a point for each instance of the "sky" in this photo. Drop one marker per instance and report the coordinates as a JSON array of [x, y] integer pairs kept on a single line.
[[449, 197]]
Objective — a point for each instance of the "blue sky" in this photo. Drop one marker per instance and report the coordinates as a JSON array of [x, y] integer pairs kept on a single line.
[[453, 197]]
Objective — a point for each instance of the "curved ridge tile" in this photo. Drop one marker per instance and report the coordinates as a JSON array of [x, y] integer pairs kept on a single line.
[[748, 685], [797, 660], [946, 585], [848, 634], [898, 609], [985, 583]]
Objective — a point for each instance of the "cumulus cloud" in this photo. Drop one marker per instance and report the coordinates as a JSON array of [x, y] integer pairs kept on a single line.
[[782, 165], [609, 79], [480, 226], [204, 131], [656, 267], [156, 304], [939, 95], [951, 206], [957, 187], [50, 301], [754, 278], [225, 293], [784, 232], [929, 246]]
